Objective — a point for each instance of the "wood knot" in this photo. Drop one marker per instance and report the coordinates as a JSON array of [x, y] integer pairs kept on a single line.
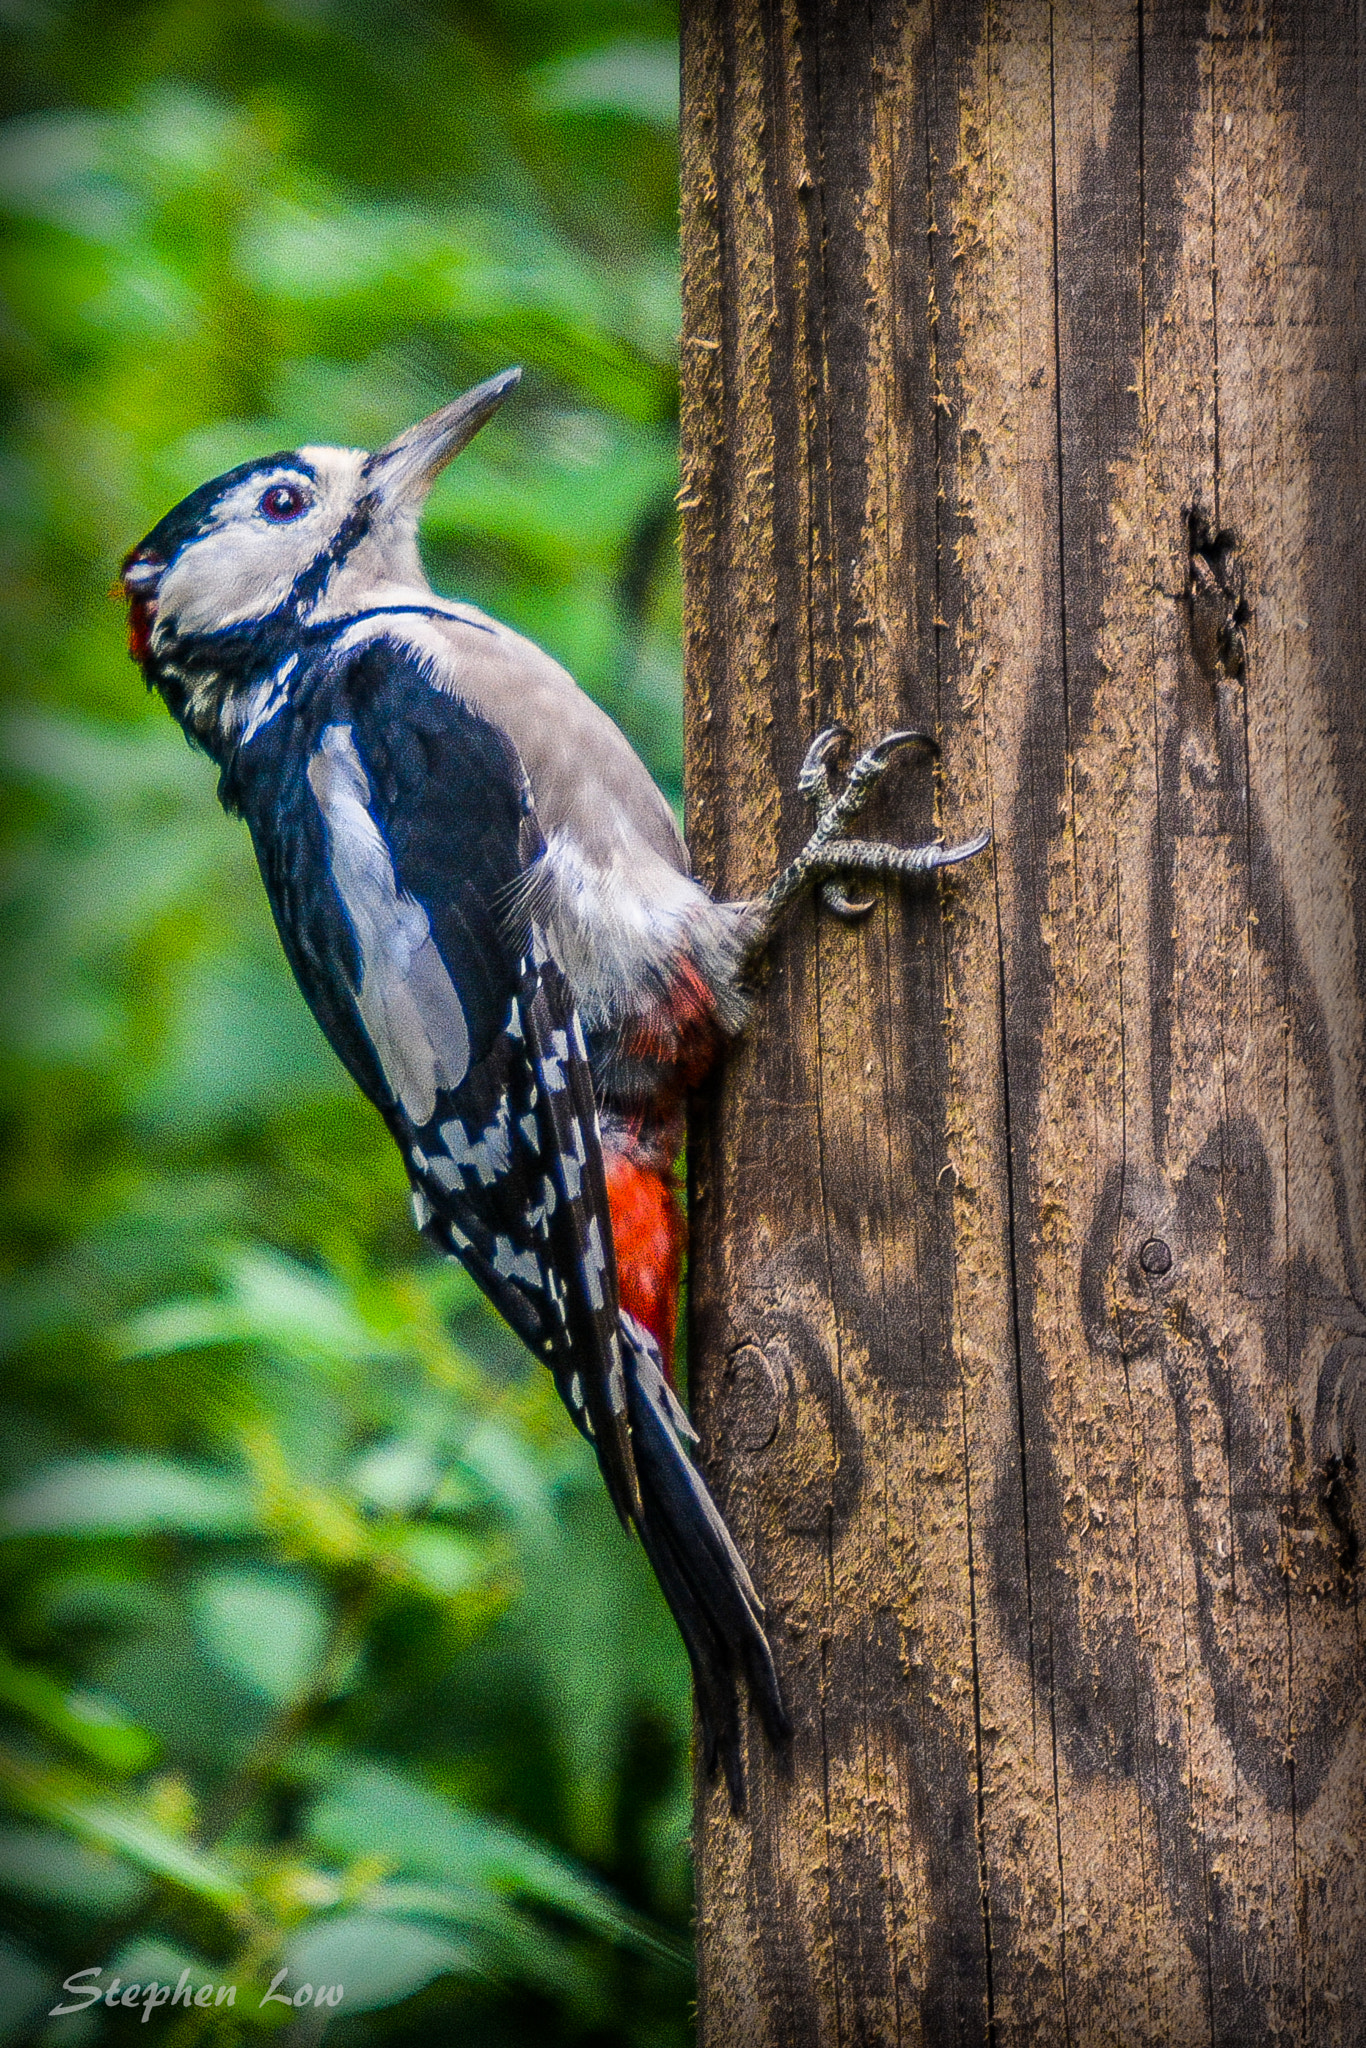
[[754, 1399], [1340, 1445]]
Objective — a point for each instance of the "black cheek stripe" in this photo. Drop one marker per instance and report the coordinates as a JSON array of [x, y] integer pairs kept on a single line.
[[310, 585]]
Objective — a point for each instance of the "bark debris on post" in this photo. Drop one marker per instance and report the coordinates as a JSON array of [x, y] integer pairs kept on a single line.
[[1028, 1325]]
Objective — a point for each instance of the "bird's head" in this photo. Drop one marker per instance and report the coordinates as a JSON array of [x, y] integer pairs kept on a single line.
[[228, 578]]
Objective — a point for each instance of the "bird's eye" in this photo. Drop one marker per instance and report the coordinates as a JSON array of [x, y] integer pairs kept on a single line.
[[284, 501]]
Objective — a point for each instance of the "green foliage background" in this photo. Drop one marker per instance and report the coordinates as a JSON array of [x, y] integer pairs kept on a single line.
[[325, 1651]]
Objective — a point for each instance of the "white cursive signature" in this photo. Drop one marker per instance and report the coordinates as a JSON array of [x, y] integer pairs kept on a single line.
[[86, 1988]]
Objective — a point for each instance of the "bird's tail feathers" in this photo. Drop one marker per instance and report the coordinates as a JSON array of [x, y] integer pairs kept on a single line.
[[702, 1574]]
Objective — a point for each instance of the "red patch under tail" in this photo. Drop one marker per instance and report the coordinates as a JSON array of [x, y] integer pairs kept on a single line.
[[649, 1232]]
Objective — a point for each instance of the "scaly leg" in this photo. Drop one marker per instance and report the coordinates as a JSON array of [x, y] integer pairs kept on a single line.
[[827, 855]]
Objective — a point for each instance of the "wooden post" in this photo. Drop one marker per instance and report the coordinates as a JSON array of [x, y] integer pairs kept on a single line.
[[1028, 1307]]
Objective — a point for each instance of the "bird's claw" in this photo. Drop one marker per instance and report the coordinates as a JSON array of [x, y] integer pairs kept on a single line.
[[882, 750], [849, 908], [949, 856], [813, 777], [829, 858], [818, 753]]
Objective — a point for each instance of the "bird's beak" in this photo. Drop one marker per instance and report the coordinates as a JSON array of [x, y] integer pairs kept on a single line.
[[404, 472]]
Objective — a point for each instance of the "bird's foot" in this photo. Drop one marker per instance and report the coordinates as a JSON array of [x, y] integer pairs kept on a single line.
[[828, 858]]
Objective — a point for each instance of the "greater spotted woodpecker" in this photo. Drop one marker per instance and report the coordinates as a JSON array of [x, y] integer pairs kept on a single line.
[[489, 910]]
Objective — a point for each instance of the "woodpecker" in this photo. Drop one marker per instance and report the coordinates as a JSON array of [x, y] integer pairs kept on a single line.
[[489, 909]]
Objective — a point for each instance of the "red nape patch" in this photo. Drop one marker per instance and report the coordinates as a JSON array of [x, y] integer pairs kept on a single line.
[[649, 1232], [141, 614], [138, 583]]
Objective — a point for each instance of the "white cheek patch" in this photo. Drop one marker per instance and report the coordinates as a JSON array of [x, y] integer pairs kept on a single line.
[[243, 569], [245, 566], [406, 998]]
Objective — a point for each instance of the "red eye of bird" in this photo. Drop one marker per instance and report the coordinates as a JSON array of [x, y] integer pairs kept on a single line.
[[283, 501]]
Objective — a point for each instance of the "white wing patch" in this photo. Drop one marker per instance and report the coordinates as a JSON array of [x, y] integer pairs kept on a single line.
[[573, 1159], [510, 1264], [489, 1155], [406, 998], [553, 1060], [538, 1215], [594, 1263]]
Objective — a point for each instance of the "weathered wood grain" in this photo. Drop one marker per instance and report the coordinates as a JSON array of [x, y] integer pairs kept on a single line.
[[1028, 1310]]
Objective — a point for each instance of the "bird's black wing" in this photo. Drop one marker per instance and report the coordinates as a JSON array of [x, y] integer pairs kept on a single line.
[[394, 828], [393, 825]]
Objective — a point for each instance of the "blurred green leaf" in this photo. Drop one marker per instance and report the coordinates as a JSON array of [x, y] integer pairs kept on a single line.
[[635, 78], [267, 1631], [119, 1826], [376, 1961], [82, 1720], [508, 1942], [373, 1810], [128, 1496], [26, 1986], [396, 1478], [269, 1300], [144, 1961], [36, 1864], [440, 1561], [502, 1459]]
